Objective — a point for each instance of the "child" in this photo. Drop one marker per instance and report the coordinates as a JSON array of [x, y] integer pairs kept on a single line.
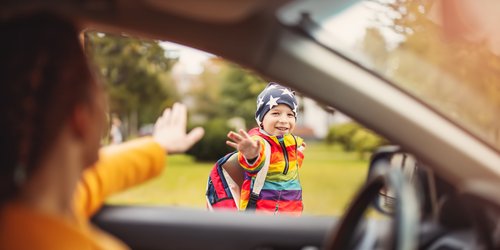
[[276, 116]]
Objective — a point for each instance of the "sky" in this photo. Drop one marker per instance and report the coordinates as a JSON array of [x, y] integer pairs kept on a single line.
[[190, 60]]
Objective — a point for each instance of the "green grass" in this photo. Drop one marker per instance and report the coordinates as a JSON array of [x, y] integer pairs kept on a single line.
[[329, 179]]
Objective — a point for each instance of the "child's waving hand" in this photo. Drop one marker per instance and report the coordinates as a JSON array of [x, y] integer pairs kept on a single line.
[[244, 143]]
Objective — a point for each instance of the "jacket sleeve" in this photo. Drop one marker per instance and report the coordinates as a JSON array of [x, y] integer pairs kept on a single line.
[[300, 151], [257, 164], [119, 167]]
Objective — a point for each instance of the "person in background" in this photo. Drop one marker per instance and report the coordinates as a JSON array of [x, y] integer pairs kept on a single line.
[[115, 132], [276, 116], [53, 176]]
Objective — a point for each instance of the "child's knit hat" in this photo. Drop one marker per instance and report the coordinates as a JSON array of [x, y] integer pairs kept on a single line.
[[271, 96]]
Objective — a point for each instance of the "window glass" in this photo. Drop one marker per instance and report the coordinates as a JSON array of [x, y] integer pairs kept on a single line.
[[145, 76], [403, 42]]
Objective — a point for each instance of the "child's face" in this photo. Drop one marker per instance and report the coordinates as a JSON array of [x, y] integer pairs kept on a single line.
[[280, 120]]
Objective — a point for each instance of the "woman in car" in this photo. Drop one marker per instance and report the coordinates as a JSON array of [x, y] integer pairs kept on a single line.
[[53, 176]]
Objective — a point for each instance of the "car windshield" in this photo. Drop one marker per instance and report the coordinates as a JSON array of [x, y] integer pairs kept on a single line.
[[401, 41]]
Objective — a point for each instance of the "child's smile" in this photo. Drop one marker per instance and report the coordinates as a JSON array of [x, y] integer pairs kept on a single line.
[[282, 129]]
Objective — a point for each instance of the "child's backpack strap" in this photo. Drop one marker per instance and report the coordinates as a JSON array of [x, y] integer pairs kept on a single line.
[[260, 179], [224, 182]]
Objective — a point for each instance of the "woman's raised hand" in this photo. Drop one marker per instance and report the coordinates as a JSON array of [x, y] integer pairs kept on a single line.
[[170, 130]]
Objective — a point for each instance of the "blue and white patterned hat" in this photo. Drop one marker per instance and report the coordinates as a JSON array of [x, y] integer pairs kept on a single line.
[[271, 96]]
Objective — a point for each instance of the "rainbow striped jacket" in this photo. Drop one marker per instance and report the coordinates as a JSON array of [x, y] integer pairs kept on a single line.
[[282, 192]]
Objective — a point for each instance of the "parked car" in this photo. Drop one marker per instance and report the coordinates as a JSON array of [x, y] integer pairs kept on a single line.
[[382, 64]]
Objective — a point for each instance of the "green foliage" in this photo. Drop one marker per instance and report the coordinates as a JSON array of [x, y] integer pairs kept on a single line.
[[228, 92], [135, 73], [365, 141], [353, 137], [213, 145], [240, 92], [342, 134]]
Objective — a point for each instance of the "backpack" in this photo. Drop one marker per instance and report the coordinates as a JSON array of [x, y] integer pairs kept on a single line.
[[225, 179]]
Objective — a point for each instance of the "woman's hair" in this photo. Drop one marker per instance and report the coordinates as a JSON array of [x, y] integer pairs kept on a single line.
[[44, 75]]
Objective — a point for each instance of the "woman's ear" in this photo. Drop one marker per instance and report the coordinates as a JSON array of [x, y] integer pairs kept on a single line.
[[80, 121]]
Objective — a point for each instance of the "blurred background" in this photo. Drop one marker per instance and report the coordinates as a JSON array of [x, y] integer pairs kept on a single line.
[[142, 77]]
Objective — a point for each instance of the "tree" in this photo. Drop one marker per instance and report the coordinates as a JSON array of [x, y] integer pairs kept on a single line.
[[136, 74], [224, 91], [239, 92], [228, 92]]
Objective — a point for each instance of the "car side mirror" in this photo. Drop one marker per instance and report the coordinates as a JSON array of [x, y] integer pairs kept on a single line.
[[390, 157]]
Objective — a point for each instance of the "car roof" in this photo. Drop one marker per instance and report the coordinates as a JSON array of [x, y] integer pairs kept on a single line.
[[211, 26]]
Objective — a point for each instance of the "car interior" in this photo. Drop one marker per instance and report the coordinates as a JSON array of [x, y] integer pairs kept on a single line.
[[434, 190]]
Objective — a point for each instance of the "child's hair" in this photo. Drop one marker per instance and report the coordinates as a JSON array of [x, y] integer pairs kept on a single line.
[[273, 95]]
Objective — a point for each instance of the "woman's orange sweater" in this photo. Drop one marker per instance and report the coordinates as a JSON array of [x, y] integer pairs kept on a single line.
[[119, 167]]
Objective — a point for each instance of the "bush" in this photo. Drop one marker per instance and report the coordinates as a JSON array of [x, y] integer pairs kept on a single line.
[[365, 141], [213, 145], [342, 134], [353, 137]]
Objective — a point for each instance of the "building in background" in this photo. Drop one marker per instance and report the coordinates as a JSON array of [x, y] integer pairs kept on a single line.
[[314, 120]]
